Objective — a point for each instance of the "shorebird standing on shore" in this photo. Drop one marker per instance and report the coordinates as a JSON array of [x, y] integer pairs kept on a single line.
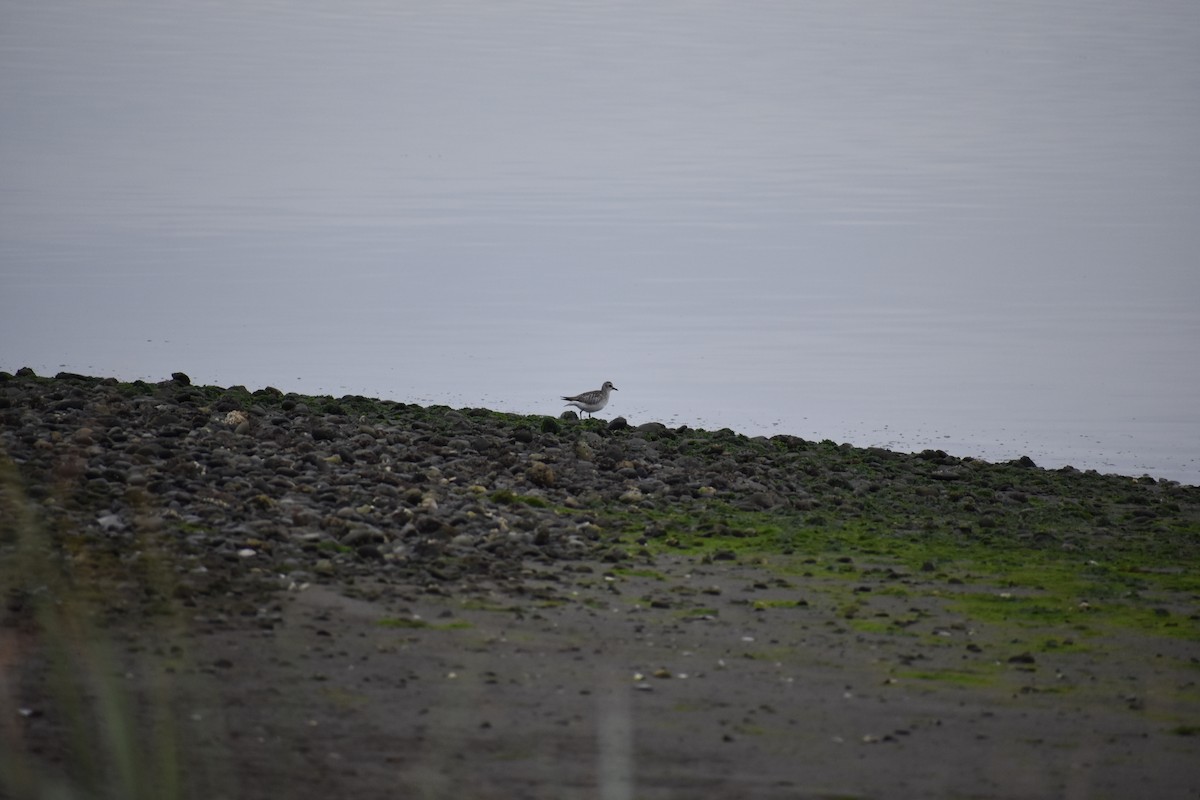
[[592, 401]]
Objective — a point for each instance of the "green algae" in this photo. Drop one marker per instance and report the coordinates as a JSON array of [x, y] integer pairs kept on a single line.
[[764, 605], [878, 626], [506, 497], [978, 677], [1026, 580]]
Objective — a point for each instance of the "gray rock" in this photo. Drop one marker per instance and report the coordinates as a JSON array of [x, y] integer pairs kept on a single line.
[[112, 522]]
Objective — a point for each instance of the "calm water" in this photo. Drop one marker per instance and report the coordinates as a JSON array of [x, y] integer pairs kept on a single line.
[[969, 226]]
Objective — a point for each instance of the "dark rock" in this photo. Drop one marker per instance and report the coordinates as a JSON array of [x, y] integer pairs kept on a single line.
[[361, 534], [181, 378], [765, 500], [540, 474]]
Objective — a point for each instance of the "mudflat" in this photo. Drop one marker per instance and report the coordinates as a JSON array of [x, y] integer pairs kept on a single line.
[[218, 593]]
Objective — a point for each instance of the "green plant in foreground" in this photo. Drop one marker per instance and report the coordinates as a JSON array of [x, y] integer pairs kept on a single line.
[[115, 746]]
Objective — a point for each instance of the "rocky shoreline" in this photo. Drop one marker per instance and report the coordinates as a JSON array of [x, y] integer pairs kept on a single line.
[[210, 504], [302, 486]]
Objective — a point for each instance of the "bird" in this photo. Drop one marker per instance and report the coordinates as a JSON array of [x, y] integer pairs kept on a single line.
[[592, 401]]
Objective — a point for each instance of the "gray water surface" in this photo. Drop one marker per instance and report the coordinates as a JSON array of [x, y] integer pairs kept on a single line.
[[971, 226]]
